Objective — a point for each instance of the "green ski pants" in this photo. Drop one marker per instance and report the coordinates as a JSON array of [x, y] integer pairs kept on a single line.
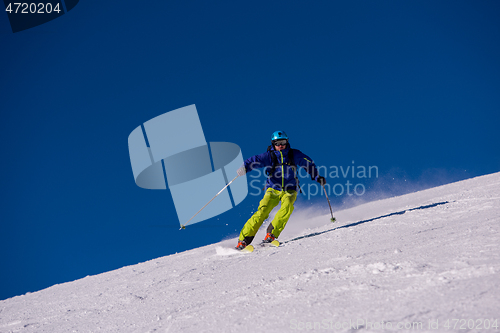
[[271, 199]]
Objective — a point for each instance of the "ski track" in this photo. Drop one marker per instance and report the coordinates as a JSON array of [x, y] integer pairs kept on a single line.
[[430, 255]]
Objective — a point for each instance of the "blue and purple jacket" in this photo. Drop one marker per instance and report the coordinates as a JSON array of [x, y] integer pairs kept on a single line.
[[285, 175]]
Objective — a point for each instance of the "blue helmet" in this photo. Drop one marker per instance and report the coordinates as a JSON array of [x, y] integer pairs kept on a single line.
[[279, 135]]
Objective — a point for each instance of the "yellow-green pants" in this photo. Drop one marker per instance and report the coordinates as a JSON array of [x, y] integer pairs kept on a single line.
[[271, 199]]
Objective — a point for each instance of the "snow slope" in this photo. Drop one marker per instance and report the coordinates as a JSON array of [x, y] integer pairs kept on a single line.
[[417, 261]]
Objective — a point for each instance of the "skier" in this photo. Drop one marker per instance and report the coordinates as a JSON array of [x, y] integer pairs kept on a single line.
[[281, 186]]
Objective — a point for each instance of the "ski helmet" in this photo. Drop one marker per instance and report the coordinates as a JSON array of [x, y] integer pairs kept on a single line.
[[279, 135]]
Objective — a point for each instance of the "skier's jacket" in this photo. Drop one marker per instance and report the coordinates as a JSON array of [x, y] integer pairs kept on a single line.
[[284, 176]]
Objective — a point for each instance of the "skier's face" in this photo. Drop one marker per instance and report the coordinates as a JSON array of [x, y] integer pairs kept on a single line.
[[280, 145]]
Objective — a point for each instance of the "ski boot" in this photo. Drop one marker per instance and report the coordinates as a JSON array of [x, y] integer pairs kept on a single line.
[[241, 245], [269, 238]]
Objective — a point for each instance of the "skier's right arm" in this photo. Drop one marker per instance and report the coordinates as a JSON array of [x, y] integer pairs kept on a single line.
[[257, 162]]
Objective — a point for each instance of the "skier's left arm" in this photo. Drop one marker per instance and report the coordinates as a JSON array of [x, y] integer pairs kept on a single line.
[[308, 164]]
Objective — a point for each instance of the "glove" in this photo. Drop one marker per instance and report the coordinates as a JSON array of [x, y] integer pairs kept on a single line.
[[321, 180], [241, 171]]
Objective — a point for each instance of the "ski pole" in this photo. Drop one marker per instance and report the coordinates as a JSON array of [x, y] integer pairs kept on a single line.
[[333, 218], [184, 226]]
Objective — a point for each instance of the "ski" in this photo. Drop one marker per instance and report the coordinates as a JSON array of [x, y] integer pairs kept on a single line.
[[274, 243], [248, 249]]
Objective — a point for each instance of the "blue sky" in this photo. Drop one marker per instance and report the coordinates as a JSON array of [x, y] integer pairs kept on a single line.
[[412, 87]]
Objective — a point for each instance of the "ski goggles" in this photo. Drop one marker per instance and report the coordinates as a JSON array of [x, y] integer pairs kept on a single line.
[[280, 142]]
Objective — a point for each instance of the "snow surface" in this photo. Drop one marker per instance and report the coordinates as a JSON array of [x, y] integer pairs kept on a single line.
[[428, 257]]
